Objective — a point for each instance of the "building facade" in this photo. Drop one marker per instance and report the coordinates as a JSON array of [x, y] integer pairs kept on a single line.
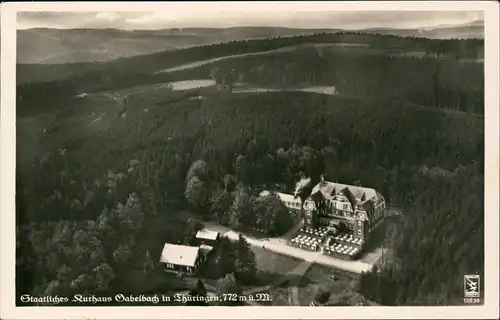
[[355, 208], [349, 213], [207, 237], [294, 204], [180, 258]]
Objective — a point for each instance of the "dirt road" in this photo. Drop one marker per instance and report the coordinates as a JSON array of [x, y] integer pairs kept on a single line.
[[279, 245], [233, 56]]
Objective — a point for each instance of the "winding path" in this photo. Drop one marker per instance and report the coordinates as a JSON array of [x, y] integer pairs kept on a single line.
[[293, 289]]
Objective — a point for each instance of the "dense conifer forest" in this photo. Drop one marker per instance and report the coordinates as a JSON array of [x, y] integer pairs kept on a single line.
[[438, 73], [99, 208]]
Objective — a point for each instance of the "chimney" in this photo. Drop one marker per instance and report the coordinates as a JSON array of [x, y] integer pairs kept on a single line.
[[297, 189], [322, 179]]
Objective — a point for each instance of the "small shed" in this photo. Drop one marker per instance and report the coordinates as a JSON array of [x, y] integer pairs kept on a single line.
[[207, 237]]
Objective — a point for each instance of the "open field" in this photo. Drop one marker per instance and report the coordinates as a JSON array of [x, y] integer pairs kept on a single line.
[[271, 265], [292, 48]]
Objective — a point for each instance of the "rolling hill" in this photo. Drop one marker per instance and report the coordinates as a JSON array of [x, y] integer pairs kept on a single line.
[[59, 46], [56, 46], [472, 30], [359, 65], [97, 72]]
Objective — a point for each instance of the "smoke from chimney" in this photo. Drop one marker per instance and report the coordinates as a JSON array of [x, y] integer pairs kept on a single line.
[[301, 185]]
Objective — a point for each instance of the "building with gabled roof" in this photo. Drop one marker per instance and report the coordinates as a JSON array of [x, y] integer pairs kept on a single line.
[[350, 212], [181, 258], [360, 209], [207, 234], [207, 237]]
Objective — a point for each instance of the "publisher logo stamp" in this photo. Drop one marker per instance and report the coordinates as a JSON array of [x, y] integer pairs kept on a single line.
[[471, 286]]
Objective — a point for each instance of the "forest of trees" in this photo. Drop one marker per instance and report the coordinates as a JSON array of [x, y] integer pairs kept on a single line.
[[109, 253], [98, 210], [438, 83], [233, 265], [447, 230], [73, 247], [428, 162], [232, 203]]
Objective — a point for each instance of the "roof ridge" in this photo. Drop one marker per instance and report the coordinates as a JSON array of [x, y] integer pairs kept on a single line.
[[343, 185]]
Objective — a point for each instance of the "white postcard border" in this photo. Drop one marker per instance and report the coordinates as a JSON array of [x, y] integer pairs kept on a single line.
[[8, 154]]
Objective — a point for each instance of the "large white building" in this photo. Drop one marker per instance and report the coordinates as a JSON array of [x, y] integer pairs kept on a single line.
[[350, 213], [359, 209]]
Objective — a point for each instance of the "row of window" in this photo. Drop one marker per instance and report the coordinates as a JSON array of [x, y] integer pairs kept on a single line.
[[292, 204], [296, 205], [339, 205], [346, 213], [171, 266], [309, 205], [341, 213]]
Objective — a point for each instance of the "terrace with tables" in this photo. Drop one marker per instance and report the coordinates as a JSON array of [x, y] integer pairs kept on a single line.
[[306, 242], [320, 232], [342, 245], [309, 239], [341, 250], [348, 239]]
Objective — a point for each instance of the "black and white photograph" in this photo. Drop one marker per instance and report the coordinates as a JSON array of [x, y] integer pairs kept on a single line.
[[251, 155]]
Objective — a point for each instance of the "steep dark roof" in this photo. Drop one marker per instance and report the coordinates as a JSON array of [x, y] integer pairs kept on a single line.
[[368, 206], [350, 196], [356, 194]]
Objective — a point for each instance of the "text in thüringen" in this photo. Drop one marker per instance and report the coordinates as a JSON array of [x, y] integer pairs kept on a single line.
[[153, 299]]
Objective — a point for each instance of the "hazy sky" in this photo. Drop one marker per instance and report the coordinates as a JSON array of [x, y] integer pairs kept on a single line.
[[196, 15]]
